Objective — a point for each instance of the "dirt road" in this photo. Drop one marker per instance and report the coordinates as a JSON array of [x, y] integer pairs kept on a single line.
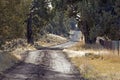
[[43, 65], [65, 45]]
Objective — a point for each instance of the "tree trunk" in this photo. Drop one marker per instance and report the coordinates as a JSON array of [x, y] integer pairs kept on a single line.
[[53, 24], [61, 23], [85, 29], [29, 30]]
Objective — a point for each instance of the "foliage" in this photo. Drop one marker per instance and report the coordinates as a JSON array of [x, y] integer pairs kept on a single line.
[[49, 16], [95, 17], [108, 19], [13, 14]]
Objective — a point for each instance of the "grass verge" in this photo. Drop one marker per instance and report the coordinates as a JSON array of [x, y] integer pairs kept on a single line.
[[97, 67]]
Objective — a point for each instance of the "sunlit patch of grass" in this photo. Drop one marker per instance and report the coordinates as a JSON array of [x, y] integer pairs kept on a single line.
[[51, 40], [77, 46], [97, 67], [82, 46], [98, 64], [112, 58], [13, 56]]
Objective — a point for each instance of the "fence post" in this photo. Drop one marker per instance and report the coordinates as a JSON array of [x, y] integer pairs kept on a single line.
[[118, 47], [113, 47]]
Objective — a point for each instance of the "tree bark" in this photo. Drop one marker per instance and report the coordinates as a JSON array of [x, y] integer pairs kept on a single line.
[[29, 30], [61, 24], [85, 29]]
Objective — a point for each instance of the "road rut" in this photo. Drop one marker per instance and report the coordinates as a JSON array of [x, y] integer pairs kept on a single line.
[[43, 65]]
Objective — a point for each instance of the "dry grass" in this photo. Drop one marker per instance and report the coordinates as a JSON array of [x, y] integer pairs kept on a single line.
[[11, 53], [48, 40], [97, 67], [102, 67], [7, 60], [83, 46], [12, 50], [18, 52]]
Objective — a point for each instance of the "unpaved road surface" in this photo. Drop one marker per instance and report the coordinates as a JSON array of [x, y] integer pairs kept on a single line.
[[43, 65], [65, 45]]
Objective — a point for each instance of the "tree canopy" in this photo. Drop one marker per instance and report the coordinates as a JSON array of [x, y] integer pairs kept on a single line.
[[12, 17], [98, 18], [95, 17]]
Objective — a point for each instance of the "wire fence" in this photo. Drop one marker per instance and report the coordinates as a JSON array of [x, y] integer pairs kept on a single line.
[[112, 45]]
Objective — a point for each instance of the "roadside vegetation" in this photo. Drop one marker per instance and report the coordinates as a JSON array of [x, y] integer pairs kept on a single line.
[[14, 51], [94, 66], [50, 40], [24, 25]]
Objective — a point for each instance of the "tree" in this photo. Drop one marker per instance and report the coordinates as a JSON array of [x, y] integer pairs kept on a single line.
[[97, 18], [12, 17], [83, 11], [29, 29], [49, 16], [108, 19]]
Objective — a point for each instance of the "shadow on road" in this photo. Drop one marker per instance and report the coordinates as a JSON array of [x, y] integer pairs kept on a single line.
[[43, 64], [47, 48], [28, 71]]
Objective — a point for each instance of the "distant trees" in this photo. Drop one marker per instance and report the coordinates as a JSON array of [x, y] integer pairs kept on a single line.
[[49, 16], [95, 17]]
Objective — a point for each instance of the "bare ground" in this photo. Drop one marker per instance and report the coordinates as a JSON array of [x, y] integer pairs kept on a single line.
[[43, 65]]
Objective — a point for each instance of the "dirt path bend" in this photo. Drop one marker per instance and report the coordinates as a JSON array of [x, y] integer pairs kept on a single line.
[[44, 65]]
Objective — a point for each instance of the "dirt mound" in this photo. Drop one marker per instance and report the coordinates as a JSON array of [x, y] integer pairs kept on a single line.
[[51, 40]]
